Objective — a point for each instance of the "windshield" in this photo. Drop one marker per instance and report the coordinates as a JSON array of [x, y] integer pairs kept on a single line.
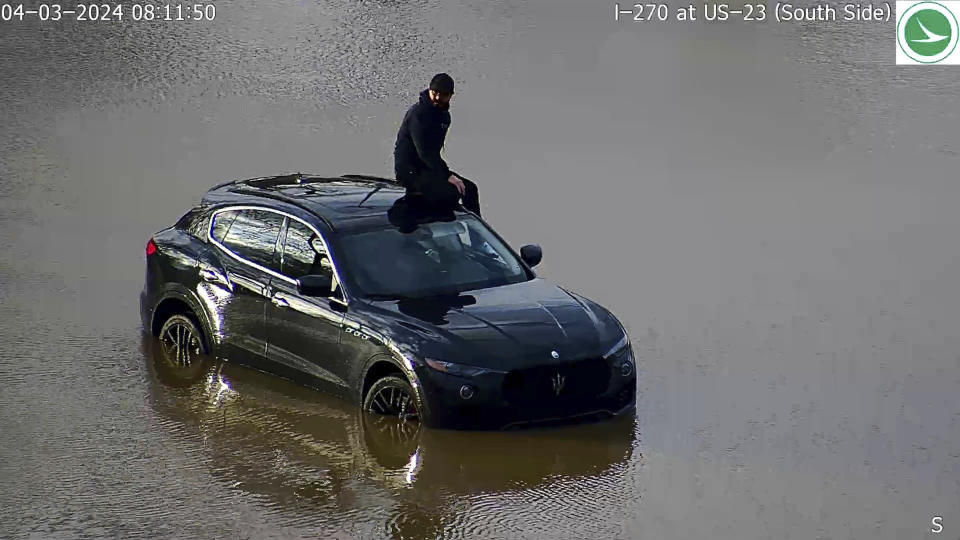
[[436, 258]]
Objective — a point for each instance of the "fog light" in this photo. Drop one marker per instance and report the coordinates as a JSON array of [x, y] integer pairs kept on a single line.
[[626, 369], [466, 391]]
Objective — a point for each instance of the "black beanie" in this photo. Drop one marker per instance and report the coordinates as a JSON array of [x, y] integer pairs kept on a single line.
[[443, 83]]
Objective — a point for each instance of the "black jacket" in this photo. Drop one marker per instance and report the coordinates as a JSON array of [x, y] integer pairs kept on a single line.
[[417, 151]]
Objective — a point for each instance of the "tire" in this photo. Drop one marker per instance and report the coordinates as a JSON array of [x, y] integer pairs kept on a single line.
[[181, 340], [393, 396]]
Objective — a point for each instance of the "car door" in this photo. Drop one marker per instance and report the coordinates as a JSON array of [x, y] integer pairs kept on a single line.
[[303, 333], [246, 241]]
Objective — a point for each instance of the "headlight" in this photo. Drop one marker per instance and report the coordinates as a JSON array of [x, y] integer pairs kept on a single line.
[[456, 369], [621, 356], [620, 348]]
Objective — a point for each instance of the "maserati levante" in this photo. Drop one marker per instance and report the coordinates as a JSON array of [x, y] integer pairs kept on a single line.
[[435, 320]]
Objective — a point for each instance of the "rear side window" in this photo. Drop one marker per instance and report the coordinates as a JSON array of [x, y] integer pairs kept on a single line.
[[221, 224], [252, 235]]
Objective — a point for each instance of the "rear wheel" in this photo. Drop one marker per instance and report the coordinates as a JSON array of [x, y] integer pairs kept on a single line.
[[181, 340]]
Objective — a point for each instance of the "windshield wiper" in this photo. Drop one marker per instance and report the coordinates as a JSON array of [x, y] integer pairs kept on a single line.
[[390, 297], [374, 190], [426, 296]]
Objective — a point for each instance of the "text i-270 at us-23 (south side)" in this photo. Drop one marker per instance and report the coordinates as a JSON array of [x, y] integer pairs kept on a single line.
[[754, 12]]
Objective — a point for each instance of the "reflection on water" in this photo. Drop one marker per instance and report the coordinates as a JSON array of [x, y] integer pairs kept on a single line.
[[308, 455]]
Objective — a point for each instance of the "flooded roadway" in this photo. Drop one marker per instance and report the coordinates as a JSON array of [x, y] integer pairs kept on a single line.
[[769, 209]]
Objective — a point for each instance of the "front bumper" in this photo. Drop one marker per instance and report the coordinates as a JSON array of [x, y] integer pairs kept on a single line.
[[491, 407]]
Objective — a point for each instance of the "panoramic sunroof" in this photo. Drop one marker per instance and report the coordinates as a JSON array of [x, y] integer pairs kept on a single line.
[[298, 179], [274, 181]]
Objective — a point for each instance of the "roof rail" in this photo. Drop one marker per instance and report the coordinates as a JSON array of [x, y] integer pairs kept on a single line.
[[368, 177]]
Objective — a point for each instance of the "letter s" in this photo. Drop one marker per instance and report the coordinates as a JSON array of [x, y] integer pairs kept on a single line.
[[936, 522]]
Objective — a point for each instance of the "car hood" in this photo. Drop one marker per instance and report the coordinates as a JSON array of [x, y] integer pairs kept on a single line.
[[506, 327]]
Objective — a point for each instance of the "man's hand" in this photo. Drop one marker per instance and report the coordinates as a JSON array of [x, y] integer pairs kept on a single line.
[[456, 181]]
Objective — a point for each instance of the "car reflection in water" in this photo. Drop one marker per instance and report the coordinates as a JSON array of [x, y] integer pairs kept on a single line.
[[320, 457]]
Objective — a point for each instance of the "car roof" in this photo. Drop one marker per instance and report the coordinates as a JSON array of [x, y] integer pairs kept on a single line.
[[343, 202]]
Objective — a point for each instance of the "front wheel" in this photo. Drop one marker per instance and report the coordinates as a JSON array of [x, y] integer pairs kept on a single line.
[[393, 396]]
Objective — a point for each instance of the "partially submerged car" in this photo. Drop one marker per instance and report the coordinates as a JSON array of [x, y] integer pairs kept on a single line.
[[310, 278]]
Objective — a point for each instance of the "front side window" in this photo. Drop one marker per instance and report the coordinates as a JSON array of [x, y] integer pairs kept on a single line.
[[303, 253], [251, 234], [437, 258]]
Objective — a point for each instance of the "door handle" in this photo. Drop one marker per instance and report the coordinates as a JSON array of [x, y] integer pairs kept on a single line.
[[212, 275], [279, 300]]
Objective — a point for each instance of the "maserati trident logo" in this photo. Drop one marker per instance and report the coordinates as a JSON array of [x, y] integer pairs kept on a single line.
[[558, 380]]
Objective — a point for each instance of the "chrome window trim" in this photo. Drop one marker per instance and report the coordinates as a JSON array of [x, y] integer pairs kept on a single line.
[[323, 241]]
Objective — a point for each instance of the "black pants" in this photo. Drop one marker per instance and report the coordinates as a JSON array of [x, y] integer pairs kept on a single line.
[[439, 192]]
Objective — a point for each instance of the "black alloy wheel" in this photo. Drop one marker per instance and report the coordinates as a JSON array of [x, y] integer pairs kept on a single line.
[[393, 396], [181, 340]]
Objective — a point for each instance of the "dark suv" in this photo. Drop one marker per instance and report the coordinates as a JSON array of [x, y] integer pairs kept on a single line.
[[442, 322]]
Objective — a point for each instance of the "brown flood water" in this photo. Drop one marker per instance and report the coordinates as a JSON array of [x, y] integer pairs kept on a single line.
[[770, 210]]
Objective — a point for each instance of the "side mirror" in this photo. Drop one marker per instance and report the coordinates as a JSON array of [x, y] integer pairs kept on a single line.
[[531, 254], [315, 285]]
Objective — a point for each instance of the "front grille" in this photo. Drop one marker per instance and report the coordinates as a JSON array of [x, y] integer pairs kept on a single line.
[[558, 384]]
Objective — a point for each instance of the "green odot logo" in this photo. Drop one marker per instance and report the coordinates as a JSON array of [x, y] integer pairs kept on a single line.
[[927, 32]]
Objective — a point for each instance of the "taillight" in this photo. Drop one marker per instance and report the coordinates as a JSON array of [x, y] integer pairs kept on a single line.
[[151, 247]]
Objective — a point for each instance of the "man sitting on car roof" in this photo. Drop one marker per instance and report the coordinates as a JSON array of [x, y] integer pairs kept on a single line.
[[417, 161]]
